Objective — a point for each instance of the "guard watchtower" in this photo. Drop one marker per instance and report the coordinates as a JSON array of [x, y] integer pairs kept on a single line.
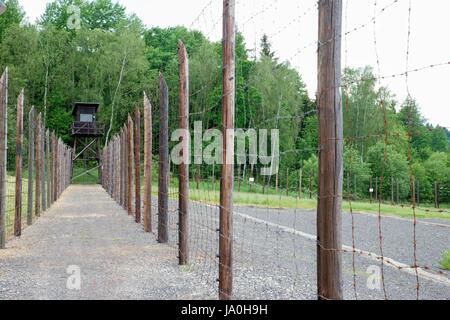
[[87, 132]]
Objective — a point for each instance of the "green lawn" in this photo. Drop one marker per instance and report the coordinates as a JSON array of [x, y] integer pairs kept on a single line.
[[91, 178], [445, 262], [208, 193], [10, 203]]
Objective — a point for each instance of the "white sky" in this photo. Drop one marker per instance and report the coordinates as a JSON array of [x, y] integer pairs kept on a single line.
[[294, 26]]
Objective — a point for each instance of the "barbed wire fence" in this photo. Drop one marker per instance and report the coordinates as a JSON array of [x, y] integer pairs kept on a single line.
[[42, 165], [273, 230]]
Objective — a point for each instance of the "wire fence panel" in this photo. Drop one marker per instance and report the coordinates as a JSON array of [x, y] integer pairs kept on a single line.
[[24, 197], [351, 148]]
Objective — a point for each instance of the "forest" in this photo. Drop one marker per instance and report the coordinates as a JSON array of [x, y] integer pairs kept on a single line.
[[113, 58]]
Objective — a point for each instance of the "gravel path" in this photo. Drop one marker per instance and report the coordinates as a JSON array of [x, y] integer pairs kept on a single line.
[[116, 258]]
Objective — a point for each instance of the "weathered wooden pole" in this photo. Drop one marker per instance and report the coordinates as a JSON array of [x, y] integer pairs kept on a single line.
[[148, 145], [42, 164], [19, 161], [226, 183], [122, 161], [287, 182], [31, 122], [329, 223], [183, 251], [54, 167], [110, 168], [38, 135], [163, 191], [130, 165], [300, 183], [418, 193], [137, 161], [436, 194], [3, 155], [392, 190], [49, 168], [125, 164]]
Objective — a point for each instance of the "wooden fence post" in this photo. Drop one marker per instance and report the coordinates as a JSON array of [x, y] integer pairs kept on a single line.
[[287, 182], [31, 123], [183, 250], [49, 169], [163, 191], [300, 182], [37, 204], [392, 190], [3, 155], [19, 161], [226, 185], [54, 167], [42, 164], [137, 164], [148, 146], [122, 180], [130, 165], [329, 224], [125, 164]]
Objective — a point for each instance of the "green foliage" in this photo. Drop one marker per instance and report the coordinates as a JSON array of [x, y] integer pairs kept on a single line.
[[12, 16], [97, 14], [112, 59], [445, 262]]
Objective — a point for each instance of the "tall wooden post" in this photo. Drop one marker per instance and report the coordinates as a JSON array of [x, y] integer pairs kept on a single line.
[[392, 190], [125, 164], [121, 168], [130, 165], [37, 204], [42, 164], [163, 191], [436, 195], [31, 123], [3, 155], [54, 167], [183, 254], [226, 184], [137, 161], [287, 182], [329, 223], [49, 168], [19, 160], [300, 182], [148, 146]]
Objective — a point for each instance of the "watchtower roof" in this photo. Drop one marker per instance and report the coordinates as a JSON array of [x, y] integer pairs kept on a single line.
[[93, 105]]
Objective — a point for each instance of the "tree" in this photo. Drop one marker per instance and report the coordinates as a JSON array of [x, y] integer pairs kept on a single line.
[[387, 163], [266, 49], [97, 14], [13, 16], [439, 140]]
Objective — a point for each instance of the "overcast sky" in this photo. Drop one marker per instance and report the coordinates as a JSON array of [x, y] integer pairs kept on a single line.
[[292, 25]]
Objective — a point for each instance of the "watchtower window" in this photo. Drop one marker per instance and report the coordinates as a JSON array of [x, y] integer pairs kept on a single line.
[[84, 117]]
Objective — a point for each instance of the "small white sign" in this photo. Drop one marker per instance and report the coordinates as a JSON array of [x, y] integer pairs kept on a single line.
[[251, 180], [371, 190]]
